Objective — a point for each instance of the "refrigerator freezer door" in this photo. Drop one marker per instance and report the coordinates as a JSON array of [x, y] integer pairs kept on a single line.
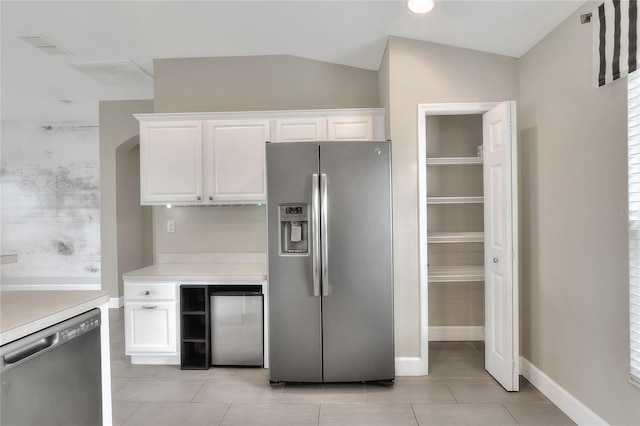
[[358, 308], [295, 328]]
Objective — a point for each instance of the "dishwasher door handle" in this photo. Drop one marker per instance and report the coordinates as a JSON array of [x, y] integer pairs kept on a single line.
[[31, 349]]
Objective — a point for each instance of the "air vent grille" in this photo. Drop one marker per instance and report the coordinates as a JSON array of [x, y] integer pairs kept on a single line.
[[114, 73], [45, 45]]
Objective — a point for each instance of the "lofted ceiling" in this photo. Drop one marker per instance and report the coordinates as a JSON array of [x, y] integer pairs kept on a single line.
[[44, 86]]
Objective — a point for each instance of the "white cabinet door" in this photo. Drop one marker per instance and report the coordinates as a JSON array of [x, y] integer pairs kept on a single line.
[[170, 162], [501, 245], [350, 128], [235, 160], [300, 129], [150, 327]]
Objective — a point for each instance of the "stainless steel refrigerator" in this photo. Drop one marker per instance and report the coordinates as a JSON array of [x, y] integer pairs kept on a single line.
[[330, 265]]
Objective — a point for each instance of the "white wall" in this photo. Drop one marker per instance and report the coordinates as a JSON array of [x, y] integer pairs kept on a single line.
[[573, 174], [50, 203]]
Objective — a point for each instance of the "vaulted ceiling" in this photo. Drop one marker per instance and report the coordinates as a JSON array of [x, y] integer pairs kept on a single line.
[[101, 35]]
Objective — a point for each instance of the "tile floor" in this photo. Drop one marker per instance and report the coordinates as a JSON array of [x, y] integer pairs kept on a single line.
[[458, 391]]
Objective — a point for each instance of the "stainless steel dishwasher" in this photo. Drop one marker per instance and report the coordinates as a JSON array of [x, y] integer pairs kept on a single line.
[[236, 326], [53, 377]]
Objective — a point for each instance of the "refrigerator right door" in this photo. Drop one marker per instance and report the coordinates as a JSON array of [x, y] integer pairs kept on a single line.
[[357, 301]]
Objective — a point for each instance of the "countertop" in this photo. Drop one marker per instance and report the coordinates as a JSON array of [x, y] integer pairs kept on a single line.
[[200, 272], [28, 311]]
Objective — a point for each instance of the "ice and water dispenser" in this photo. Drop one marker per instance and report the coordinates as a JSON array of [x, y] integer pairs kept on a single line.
[[294, 229]]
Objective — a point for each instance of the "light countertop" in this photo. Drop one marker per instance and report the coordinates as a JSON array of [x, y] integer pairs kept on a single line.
[[25, 312], [200, 272]]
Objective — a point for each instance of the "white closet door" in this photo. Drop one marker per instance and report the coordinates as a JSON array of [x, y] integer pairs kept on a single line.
[[501, 233]]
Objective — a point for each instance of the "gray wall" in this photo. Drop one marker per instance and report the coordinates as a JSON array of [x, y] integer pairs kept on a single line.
[[134, 222], [117, 127], [421, 72], [255, 83], [573, 164], [250, 83]]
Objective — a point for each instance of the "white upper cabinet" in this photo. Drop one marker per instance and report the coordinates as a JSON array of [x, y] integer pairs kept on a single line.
[[219, 158], [235, 160], [300, 129], [170, 162], [350, 128]]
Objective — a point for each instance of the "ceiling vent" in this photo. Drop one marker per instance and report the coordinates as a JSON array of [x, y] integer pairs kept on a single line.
[[114, 73], [45, 45]]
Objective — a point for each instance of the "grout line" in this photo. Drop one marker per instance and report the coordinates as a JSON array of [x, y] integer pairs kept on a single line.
[[225, 413], [319, 408], [414, 414], [130, 415], [451, 392], [510, 413]]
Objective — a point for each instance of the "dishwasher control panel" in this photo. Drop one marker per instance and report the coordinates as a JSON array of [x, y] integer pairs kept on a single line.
[[80, 329]]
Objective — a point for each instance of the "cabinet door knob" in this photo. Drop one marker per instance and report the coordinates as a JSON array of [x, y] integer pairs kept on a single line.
[[198, 198], [146, 293], [495, 260], [210, 197]]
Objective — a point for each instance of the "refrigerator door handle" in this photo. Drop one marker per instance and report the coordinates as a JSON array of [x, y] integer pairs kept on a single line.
[[315, 233], [324, 217]]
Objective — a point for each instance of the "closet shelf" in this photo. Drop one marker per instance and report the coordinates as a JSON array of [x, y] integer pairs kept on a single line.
[[455, 200], [456, 273], [453, 161], [455, 237]]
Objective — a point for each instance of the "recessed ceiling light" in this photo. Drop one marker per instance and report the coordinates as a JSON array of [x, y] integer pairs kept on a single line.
[[420, 6]]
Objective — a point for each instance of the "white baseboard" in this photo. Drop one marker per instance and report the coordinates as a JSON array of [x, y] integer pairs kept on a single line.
[[116, 302], [410, 366], [455, 334], [569, 404]]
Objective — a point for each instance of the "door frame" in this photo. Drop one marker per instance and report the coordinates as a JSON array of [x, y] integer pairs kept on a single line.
[[424, 110]]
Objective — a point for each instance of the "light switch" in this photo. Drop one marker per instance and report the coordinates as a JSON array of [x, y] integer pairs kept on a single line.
[[171, 225]]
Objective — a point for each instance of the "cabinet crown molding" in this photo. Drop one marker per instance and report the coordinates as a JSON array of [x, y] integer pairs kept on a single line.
[[225, 115]]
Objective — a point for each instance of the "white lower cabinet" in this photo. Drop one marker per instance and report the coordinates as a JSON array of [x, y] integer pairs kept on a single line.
[[152, 327], [151, 323]]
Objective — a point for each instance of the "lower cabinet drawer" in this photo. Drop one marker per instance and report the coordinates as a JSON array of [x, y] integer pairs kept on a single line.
[[149, 291]]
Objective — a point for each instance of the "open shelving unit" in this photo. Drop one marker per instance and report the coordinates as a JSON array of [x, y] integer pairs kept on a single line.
[[194, 326], [463, 273]]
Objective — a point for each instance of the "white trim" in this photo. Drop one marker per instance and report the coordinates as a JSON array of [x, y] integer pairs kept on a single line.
[[105, 357], [15, 287], [153, 359], [423, 111], [455, 334], [226, 115], [409, 366], [116, 302], [569, 404]]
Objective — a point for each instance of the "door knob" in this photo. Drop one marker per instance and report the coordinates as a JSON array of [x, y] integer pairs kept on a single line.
[[495, 260]]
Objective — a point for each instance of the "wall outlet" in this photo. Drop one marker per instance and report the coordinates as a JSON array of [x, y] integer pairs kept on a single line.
[[171, 225]]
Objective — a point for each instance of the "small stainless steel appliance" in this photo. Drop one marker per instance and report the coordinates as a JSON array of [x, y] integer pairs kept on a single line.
[[236, 326]]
